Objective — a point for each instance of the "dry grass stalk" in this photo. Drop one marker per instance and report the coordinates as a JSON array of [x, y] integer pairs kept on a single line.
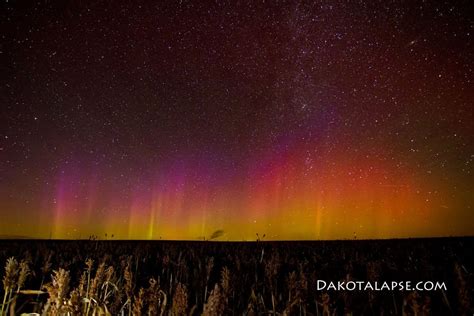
[[128, 287], [139, 302], [11, 274], [82, 285], [153, 297], [9, 282], [57, 290], [75, 302], [97, 281], [462, 292], [215, 305], [411, 304], [225, 281], [325, 303], [24, 273], [180, 301], [209, 266], [128, 276]]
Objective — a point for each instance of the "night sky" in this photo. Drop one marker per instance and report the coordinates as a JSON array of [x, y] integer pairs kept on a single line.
[[298, 120]]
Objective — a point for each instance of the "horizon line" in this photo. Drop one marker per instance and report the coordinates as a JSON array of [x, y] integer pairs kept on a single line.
[[216, 240]]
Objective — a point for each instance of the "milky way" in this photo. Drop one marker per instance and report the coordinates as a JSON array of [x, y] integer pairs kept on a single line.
[[297, 120]]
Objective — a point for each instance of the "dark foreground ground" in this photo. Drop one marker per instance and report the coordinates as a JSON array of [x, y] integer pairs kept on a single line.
[[223, 278]]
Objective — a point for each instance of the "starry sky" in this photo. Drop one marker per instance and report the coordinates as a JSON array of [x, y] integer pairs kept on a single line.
[[180, 119]]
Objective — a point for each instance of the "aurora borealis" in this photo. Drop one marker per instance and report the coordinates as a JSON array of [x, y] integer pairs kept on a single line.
[[297, 120]]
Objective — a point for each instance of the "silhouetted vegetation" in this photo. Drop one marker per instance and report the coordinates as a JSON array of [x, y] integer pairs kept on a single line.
[[229, 278]]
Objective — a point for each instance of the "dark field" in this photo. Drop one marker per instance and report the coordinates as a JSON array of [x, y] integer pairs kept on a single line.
[[226, 278]]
